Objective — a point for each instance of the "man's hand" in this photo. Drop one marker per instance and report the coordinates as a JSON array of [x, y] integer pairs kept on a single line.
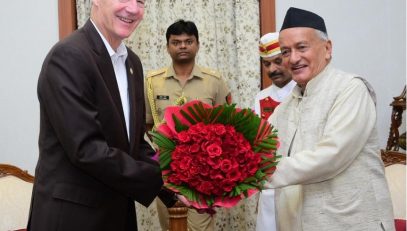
[[183, 200]]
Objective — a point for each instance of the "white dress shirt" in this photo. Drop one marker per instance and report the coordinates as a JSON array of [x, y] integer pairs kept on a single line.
[[119, 64], [276, 93]]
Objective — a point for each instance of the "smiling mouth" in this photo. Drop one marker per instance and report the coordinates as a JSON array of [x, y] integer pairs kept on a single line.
[[298, 68], [276, 76], [126, 20]]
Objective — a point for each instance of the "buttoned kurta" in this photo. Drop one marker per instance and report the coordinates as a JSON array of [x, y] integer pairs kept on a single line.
[[331, 176]]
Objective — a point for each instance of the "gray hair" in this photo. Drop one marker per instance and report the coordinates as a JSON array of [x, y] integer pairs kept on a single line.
[[322, 35]]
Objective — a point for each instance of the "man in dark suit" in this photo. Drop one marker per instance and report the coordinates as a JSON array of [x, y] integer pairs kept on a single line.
[[94, 161]]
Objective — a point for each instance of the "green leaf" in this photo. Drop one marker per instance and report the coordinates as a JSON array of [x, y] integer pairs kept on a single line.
[[190, 194], [178, 125], [216, 112], [270, 141], [245, 187], [165, 159], [210, 200], [197, 118], [250, 179], [267, 146], [237, 191], [241, 188], [187, 117], [269, 166], [162, 141], [200, 110], [260, 174]]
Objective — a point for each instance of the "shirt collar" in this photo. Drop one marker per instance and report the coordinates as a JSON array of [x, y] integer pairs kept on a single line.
[[313, 84], [290, 85], [196, 72], [121, 50]]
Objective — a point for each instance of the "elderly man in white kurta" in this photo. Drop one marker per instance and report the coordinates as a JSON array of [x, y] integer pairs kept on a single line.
[[264, 104], [331, 176]]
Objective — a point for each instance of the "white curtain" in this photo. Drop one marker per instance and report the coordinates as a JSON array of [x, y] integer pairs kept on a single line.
[[228, 34]]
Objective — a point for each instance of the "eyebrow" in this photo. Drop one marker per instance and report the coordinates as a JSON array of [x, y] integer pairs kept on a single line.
[[178, 40]]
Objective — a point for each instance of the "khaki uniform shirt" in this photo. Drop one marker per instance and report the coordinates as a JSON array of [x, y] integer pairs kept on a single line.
[[204, 84]]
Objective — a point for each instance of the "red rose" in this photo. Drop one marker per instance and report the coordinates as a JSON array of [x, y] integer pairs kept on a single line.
[[214, 162], [184, 137], [176, 155], [194, 148], [209, 159], [219, 129], [193, 170], [217, 176], [252, 167], [230, 130], [205, 187], [226, 165], [218, 191], [228, 185], [195, 183], [234, 174], [204, 145], [241, 158], [240, 138], [185, 163], [174, 164], [214, 150], [204, 170]]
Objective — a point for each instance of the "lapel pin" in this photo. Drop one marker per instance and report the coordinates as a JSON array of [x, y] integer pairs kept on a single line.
[[131, 70]]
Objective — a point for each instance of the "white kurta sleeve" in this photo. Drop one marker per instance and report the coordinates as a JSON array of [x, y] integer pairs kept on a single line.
[[350, 123]]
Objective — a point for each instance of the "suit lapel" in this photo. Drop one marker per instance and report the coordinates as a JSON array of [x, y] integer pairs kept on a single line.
[[105, 65], [132, 96]]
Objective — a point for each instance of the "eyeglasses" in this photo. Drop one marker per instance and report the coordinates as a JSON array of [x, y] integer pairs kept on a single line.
[[140, 3]]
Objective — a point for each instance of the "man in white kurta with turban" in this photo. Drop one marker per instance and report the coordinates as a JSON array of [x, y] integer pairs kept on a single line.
[[265, 103], [331, 176]]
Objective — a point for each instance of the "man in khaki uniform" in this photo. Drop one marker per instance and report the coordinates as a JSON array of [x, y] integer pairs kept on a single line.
[[177, 84]]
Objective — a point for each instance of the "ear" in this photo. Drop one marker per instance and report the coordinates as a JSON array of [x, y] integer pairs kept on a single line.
[[328, 48]]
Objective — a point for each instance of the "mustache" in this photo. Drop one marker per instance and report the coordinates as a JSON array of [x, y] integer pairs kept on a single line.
[[274, 73]]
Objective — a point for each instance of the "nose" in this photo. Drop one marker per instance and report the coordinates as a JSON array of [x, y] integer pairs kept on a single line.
[[183, 44], [271, 68], [294, 57], [134, 6]]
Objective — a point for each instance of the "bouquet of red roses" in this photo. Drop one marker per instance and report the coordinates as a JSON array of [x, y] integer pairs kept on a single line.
[[215, 156]]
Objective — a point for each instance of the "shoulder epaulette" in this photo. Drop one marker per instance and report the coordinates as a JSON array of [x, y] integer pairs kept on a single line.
[[211, 72], [156, 72]]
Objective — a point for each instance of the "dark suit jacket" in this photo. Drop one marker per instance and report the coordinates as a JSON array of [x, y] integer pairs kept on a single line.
[[89, 173]]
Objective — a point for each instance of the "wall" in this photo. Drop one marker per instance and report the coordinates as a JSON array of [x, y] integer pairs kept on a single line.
[[369, 38], [29, 29]]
